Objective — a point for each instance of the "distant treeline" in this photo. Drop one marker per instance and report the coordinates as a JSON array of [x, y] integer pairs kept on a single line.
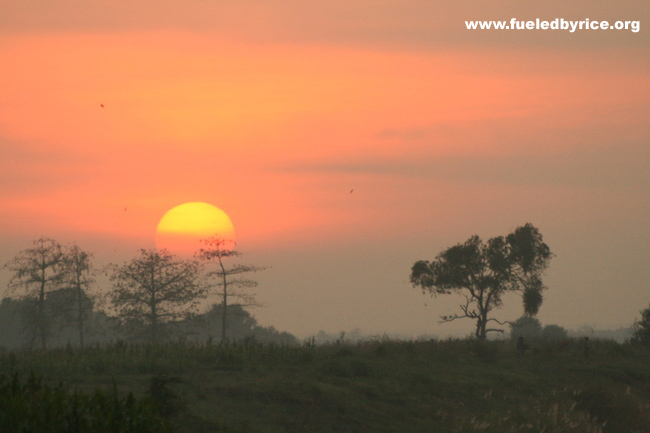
[[102, 328], [53, 299]]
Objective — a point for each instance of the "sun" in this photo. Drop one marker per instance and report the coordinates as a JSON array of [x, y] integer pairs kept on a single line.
[[182, 228]]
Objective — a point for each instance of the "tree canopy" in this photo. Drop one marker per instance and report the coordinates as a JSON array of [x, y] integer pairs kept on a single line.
[[482, 272], [642, 328], [156, 288], [37, 272], [79, 280]]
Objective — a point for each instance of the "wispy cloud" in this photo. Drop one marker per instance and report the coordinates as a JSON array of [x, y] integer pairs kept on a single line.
[[622, 165], [31, 168]]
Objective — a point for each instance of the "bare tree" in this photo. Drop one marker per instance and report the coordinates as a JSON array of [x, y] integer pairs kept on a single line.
[[230, 280], [156, 288], [483, 272], [79, 280], [37, 272]]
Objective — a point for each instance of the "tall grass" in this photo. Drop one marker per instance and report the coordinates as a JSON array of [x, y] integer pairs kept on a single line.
[[375, 385], [29, 405]]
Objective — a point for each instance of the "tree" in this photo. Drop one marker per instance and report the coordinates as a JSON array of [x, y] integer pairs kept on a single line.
[[642, 329], [37, 272], [229, 279], [554, 332], [156, 288], [79, 280], [483, 272], [526, 326]]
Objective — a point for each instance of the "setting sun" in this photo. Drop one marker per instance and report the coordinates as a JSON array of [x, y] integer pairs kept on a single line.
[[182, 227]]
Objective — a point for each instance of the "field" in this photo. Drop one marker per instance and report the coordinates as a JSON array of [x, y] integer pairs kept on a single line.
[[378, 385]]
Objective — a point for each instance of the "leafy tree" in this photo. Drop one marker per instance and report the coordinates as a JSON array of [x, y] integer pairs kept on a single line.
[[240, 322], [483, 272], [156, 288], [37, 272], [554, 332], [228, 279], [642, 328], [526, 326], [241, 326]]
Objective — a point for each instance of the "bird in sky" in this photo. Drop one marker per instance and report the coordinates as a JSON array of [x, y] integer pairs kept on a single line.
[[101, 105], [351, 191]]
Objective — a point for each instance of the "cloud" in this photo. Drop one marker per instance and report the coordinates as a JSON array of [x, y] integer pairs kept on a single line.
[[618, 166]]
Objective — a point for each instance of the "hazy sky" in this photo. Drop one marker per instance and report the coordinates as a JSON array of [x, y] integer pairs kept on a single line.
[[274, 111]]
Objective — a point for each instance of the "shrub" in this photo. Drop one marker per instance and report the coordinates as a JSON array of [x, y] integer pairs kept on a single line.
[[554, 332], [642, 329], [32, 406], [527, 327]]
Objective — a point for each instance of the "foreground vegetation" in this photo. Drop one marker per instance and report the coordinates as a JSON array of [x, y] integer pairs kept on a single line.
[[374, 386], [31, 406]]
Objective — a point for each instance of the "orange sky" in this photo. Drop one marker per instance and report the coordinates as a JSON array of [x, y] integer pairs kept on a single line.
[[275, 113]]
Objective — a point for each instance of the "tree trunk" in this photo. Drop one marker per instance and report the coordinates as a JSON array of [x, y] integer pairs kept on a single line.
[[482, 335], [154, 321], [224, 322], [41, 310], [223, 316], [81, 316], [41, 317], [154, 313]]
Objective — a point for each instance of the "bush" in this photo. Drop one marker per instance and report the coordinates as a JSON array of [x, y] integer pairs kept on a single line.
[[554, 332], [31, 406], [527, 327], [642, 329]]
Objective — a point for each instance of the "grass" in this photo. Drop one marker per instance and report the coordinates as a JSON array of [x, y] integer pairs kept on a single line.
[[31, 406], [377, 385]]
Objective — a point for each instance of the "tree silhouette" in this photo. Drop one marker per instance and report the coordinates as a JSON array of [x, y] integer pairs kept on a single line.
[[229, 279], [79, 281], [156, 288], [37, 272], [554, 333], [483, 272], [642, 328], [526, 326]]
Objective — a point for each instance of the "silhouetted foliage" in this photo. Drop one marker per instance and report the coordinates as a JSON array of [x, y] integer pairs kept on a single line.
[[483, 272], [642, 328], [527, 327], [12, 323], [33, 406], [241, 325], [37, 272], [78, 282], [228, 279], [554, 332], [165, 399], [18, 328], [532, 298], [362, 386], [155, 288]]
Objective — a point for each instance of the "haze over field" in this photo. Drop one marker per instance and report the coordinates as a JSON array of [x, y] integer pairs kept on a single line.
[[345, 140]]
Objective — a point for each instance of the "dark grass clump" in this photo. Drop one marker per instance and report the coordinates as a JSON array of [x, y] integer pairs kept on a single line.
[[32, 406]]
